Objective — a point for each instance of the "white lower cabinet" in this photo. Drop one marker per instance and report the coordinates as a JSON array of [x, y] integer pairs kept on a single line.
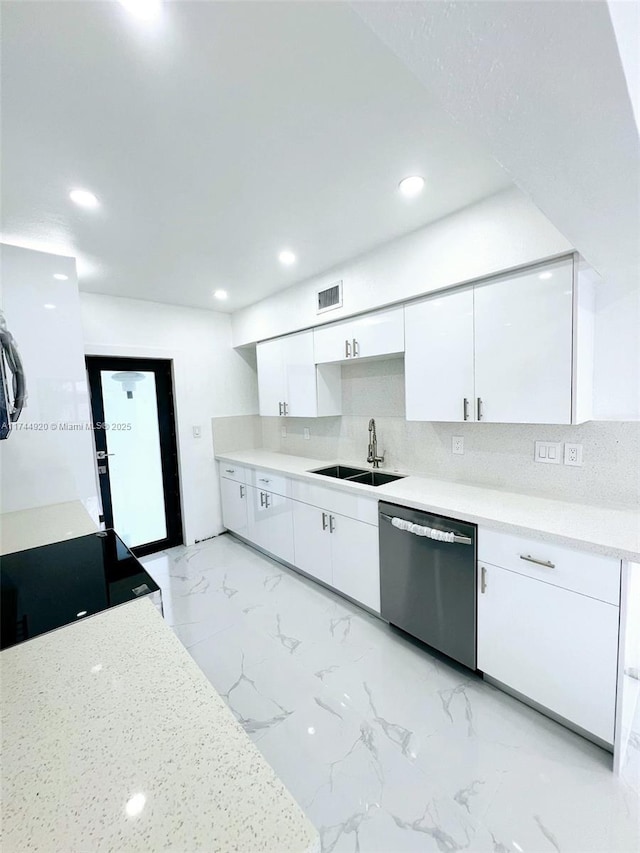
[[557, 647], [270, 522], [339, 551], [234, 505]]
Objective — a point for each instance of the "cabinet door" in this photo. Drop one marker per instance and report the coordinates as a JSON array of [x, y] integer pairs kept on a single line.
[[312, 541], [257, 517], [279, 512], [554, 646], [300, 372], [234, 505], [356, 566], [381, 333], [523, 346], [439, 358], [332, 343], [271, 377]]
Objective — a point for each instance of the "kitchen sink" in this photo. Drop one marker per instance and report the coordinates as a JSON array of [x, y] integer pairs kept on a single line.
[[357, 475]]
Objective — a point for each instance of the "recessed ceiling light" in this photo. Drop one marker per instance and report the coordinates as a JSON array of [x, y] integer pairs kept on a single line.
[[49, 305], [545, 275], [144, 10], [60, 276], [135, 805], [84, 198], [411, 186], [287, 257], [220, 294]]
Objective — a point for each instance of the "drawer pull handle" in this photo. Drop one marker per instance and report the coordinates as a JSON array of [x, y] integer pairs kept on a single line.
[[262, 480], [546, 563], [229, 470]]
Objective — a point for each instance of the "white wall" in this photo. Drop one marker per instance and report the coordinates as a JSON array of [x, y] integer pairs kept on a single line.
[[503, 231], [211, 380], [42, 462]]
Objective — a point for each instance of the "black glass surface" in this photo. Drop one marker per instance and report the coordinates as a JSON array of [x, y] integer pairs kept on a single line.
[[51, 586]]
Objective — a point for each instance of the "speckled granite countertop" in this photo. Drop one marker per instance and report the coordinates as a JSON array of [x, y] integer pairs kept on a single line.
[[601, 530], [114, 740], [30, 528]]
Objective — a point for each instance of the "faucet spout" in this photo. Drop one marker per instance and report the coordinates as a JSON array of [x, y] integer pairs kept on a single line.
[[372, 451]]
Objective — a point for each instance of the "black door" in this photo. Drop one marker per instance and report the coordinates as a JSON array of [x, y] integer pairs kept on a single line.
[[136, 451]]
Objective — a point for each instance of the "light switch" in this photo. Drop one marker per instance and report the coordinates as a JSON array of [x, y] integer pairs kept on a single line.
[[197, 431], [548, 451]]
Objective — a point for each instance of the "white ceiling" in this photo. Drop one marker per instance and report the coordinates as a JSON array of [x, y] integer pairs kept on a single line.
[[213, 141]]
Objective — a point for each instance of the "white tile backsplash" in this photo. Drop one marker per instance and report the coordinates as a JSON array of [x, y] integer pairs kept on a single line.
[[495, 455]]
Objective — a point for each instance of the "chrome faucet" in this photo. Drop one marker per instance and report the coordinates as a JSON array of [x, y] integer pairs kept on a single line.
[[372, 454]]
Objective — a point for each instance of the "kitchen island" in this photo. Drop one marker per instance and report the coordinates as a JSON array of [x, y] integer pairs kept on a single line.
[[113, 739]]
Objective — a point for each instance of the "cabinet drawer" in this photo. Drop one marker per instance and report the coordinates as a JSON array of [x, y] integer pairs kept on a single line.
[[231, 471], [590, 574], [360, 507], [277, 484]]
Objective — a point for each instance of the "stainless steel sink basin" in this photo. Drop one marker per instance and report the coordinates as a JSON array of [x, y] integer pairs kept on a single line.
[[357, 475]]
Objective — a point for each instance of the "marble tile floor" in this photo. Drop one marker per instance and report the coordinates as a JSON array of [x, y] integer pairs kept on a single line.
[[386, 746]]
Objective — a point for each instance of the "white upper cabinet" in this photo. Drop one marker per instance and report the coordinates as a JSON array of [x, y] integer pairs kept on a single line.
[[289, 382], [509, 350], [379, 333], [439, 358], [523, 346]]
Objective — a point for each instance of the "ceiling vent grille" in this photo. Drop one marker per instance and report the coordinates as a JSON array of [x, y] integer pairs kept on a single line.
[[329, 298]]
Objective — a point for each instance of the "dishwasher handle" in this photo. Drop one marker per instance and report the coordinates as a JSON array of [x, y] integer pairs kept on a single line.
[[429, 531]]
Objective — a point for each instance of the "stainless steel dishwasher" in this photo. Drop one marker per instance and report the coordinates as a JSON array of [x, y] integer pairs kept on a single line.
[[428, 579]]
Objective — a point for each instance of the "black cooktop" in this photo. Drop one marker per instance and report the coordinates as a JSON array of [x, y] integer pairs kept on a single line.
[[51, 586]]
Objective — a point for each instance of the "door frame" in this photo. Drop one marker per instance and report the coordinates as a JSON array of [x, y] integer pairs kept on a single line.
[[167, 433]]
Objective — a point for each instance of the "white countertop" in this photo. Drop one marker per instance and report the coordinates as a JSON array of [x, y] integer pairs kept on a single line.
[[111, 715], [602, 530], [30, 528]]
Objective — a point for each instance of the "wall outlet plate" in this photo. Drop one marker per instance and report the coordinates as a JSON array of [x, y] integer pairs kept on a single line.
[[307, 434], [573, 454], [283, 431], [457, 444], [548, 451]]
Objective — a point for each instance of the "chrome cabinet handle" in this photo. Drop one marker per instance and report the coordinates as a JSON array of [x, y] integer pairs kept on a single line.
[[356, 348], [266, 500], [262, 480], [465, 409], [261, 498], [241, 491], [324, 520], [229, 470], [479, 408], [546, 563], [332, 523], [483, 580], [280, 408], [285, 406], [347, 349]]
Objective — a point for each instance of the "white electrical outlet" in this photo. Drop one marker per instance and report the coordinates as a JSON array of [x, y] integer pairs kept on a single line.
[[548, 451], [573, 454], [307, 434], [283, 431], [457, 444]]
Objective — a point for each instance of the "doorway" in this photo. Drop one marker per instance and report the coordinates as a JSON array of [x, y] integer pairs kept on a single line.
[[133, 416]]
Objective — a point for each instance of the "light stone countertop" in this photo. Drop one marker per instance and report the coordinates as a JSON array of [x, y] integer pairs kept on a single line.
[[600, 530], [30, 528], [113, 739]]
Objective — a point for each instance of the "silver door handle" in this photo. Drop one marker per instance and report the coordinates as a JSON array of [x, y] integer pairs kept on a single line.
[[280, 408], [479, 408], [546, 563], [465, 409], [483, 580], [356, 348], [324, 520], [285, 406], [261, 498], [347, 349], [241, 491], [266, 500], [102, 454], [262, 480], [332, 523]]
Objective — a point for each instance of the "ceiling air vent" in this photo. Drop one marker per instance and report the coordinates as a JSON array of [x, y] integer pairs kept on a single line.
[[329, 298]]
